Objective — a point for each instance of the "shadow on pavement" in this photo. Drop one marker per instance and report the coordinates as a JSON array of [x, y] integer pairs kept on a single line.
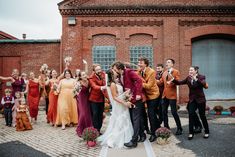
[[221, 142], [18, 149]]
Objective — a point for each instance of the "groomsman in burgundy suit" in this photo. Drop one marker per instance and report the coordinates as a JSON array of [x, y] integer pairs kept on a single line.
[[96, 97], [160, 70], [130, 80]]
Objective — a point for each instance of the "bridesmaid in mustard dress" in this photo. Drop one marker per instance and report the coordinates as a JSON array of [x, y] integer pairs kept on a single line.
[[67, 106]]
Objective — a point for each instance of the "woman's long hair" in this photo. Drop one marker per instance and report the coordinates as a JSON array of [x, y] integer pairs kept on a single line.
[[110, 77], [68, 70]]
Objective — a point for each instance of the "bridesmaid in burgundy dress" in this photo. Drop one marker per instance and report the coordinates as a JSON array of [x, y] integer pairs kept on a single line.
[[17, 81], [84, 119]]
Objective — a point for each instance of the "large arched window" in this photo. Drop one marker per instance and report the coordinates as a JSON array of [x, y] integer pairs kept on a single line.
[[104, 50], [215, 55], [141, 46]]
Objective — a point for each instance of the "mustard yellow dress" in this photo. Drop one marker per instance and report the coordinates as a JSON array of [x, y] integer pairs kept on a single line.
[[67, 105]]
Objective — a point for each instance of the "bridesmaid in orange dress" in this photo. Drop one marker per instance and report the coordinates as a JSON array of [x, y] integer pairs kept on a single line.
[[33, 96], [53, 97]]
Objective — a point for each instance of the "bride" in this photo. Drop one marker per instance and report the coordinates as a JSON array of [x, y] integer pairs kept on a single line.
[[119, 130]]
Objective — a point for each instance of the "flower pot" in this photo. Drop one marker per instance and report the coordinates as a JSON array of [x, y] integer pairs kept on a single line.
[[217, 113], [91, 143], [163, 141]]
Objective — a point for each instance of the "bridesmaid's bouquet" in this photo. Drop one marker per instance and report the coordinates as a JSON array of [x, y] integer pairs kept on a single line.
[[77, 88], [44, 68], [67, 60]]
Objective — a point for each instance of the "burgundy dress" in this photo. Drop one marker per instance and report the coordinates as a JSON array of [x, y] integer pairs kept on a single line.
[[84, 111], [17, 86]]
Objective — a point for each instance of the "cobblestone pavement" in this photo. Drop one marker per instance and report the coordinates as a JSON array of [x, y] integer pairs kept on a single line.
[[51, 141]]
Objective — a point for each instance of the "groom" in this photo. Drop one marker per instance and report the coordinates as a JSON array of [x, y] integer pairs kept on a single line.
[[130, 80]]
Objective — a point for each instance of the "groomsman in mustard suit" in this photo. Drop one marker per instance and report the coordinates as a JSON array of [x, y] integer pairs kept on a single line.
[[151, 92]]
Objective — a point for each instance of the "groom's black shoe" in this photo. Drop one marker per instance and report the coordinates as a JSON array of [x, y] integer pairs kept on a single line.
[[142, 138], [152, 138], [130, 144]]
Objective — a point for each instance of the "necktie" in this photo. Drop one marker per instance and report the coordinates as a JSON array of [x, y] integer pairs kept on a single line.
[[142, 73]]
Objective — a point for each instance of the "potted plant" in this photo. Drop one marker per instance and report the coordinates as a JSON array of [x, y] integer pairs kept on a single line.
[[89, 135], [218, 109], [163, 135], [232, 109]]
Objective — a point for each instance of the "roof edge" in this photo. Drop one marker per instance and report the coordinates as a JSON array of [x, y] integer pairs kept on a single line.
[[31, 41]]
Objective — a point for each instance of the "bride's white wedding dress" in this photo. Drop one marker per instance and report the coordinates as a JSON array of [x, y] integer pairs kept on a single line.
[[119, 130]]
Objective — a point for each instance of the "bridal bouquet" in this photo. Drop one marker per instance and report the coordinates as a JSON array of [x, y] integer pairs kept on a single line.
[[127, 95]]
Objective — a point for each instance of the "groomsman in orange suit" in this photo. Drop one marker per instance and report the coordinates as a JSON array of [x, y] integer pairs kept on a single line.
[[169, 95], [97, 97], [151, 92]]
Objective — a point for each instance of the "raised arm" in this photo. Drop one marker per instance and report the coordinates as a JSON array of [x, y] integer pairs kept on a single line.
[[86, 66], [6, 78], [180, 82]]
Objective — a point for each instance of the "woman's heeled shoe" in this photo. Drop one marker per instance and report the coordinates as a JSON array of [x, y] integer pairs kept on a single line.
[[190, 136], [206, 136]]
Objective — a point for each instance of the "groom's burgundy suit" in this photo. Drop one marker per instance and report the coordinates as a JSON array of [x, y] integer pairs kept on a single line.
[[131, 80]]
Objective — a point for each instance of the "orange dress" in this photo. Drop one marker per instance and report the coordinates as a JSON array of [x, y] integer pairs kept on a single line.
[[22, 120], [52, 111], [33, 99], [67, 104]]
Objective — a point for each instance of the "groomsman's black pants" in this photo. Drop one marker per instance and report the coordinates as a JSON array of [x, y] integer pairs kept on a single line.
[[97, 109], [197, 123], [193, 106], [152, 114], [145, 119], [165, 105], [137, 120]]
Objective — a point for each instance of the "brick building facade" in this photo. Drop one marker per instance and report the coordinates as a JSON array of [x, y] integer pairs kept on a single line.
[[106, 30]]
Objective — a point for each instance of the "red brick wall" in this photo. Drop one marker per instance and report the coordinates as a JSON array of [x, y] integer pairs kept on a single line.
[[172, 39], [33, 55]]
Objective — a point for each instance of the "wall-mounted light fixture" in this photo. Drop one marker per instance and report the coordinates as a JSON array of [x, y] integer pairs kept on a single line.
[[71, 20]]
